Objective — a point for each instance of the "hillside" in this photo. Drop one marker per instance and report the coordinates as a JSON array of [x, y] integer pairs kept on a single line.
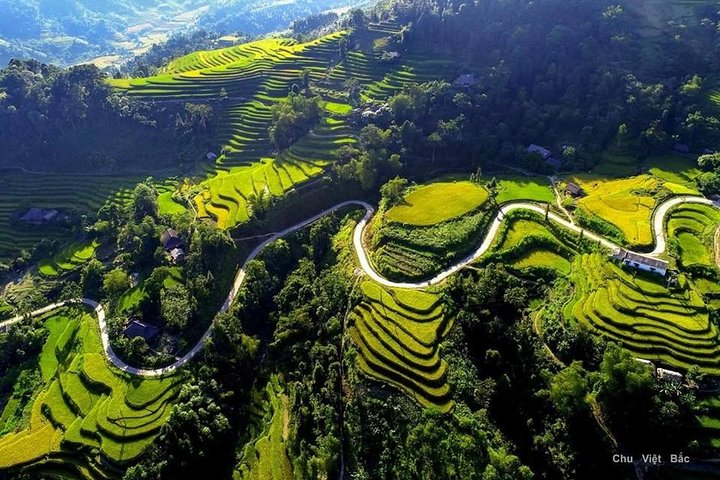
[[424, 240], [68, 32]]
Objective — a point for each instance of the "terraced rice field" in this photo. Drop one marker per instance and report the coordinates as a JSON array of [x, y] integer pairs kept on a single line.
[[431, 227], [526, 243], [69, 259], [407, 252], [677, 172], [254, 76], [438, 202], [626, 203], [694, 228], [638, 311], [67, 194], [225, 198], [265, 458], [397, 333], [74, 195], [88, 415]]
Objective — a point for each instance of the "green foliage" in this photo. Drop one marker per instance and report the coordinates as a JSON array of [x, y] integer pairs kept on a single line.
[[569, 389], [392, 191], [293, 118], [176, 306], [115, 282]]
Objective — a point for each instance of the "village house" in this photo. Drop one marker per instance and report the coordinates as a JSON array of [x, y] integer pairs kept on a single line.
[[211, 156], [177, 255], [574, 190], [39, 216], [542, 151], [671, 375], [645, 362], [641, 262], [390, 56], [174, 245], [136, 328], [465, 80]]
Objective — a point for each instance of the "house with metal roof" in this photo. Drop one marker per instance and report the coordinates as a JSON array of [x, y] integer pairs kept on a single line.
[[641, 262]]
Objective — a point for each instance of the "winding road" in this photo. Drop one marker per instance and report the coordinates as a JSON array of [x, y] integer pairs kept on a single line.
[[658, 222]]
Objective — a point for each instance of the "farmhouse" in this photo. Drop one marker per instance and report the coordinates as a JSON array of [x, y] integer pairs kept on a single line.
[[136, 328], [390, 56], [171, 239], [665, 374], [465, 80], [177, 255], [544, 152], [641, 262], [39, 216], [174, 245], [211, 156], [574, 190]]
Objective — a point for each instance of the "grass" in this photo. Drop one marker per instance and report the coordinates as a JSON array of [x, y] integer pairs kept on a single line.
[[625, 203], [679, 172], [168, 206], [398, 342], [616, 164], [84, 402], [514, 188], [438, 202], [338, 108]]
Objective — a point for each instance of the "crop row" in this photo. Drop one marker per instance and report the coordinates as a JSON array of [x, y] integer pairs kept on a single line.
[[88, 406], [642, 314], [398, 343]]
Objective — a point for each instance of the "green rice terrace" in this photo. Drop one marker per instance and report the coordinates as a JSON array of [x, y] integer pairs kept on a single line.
[[87, 416], [252, 78], [68, 195], [69, 259], [438, 223], [397, 334], [643, 314], [527, 242], [694, 228]]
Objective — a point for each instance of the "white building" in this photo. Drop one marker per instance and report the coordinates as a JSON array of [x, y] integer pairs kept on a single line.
[[641, 262], [671, 375]]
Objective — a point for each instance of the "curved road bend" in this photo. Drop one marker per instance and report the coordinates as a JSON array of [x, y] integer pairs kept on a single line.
[[660, 241]]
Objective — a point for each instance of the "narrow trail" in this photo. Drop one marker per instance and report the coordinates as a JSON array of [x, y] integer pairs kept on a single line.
[[558, 200], [659, 234]]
